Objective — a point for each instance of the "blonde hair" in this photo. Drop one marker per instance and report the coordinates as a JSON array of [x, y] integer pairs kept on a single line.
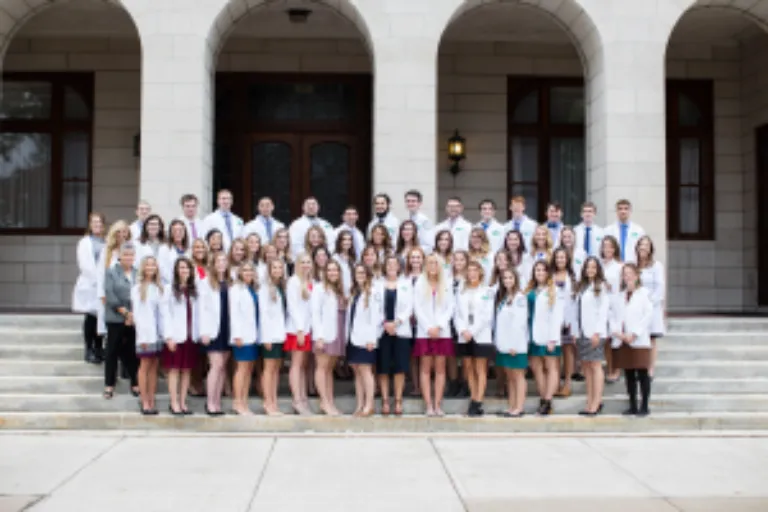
[[307, 247], [533, 284], [366, 289], [241, 270], [440, 283], [285, 254], [213, 278], [199, 241], [144, 282], [485, 245], [111, 244], [338, 287], [479, 267], [304, 281], [274, 286], [549, 243], [230, 256]]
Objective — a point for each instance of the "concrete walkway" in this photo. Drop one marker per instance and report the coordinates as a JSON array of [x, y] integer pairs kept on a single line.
[[83, 472]]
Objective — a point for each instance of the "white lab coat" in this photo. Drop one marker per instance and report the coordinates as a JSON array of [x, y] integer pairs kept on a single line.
[[591, 313], [577, 261], [215, 220], [299, 309], [495, 234], [403, 305], [175, 316], [633, 316], [358, 240], [144, 251], [271, 317], [85, 293], [147, 314], [210, 309], [199, 228], [634, 232], [527, 228], [242, 316], [366, 326], [298, 231], [511, 326], [259, 226], [487, 263], [547, 320], [135, 229], [426, 231], [595, 238], [166, 259], [653, 281], [346, 273], [554, 233], [430, 312], [325, 311], [524, 270], [460, 231], [477, 303], [390, 222], [565, 298]]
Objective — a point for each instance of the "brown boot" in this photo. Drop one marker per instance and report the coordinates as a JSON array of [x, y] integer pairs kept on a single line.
[[563, 392]]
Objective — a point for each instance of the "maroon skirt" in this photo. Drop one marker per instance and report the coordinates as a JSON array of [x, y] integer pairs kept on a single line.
[[429, 347], [183, 358]]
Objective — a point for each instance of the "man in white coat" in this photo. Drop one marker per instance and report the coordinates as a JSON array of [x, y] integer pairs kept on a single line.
[[194, 225], [413, 201], [456, 224], [143, 210], [224, 220], [520, 222], [300, 226], [264, 224], [349, 224], [555, 221], [493, 229], [382, 215], [589, 236], [626, 232]]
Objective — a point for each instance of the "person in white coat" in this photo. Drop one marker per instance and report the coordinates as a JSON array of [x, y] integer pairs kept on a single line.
[[229, 224], [630, 327], [652, 277], [494, 230], [519, 258], [519, 221], [510, 336], [85, 297], [214, 329], [272, 321], [433, 306], [181, 330], [349, 224], [177, 246], [545, 328], [611, 265], [565, 283], [589, 326], [626, 232], [118, 234], [364, 327], [407, 239], [575, 253], [329, 321], [298, 340], [382, 215], [425, 228], [456, 224], [394, 353], [243, 334], [264, 224], [300, 226], [554, 221], [143, 210], [146, 305], [194, 225], [346, 256], [588, 234], [481, 252], [151, 239], [473, 319]]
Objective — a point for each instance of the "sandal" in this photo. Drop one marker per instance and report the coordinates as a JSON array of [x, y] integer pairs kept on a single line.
[[385, 407], [108, 394], [399, 407]]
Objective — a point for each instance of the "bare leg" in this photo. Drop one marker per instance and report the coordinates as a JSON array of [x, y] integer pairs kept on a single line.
[[359, 389], [143, 378], [321, 377], [537, 367], [384, 389], [173, 389], [598, 385], [425, 375], [509, 378], [369, 383], [469, 373], [439, 383], [295, 379], [521, 387], [186, 376], [329, 383], [569, 358], [415, 376], [399, 387], [552, 370], [589, 381], [481, 377]]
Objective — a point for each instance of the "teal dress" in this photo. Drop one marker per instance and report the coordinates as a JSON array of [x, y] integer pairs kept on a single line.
[[535, 350], [518, 361]]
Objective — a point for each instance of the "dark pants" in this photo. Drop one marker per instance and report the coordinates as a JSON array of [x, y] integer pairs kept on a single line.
[[632, 378], [121, 343], [90, 334]]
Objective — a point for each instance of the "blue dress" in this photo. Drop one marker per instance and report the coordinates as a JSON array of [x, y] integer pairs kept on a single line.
[[248, 353], [221, 342]]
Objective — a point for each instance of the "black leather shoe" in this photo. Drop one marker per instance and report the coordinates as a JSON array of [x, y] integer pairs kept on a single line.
[[630, 412], [577, 377], [175, 413], [643, 412]]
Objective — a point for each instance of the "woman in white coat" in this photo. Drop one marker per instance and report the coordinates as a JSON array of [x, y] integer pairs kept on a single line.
[[609, 260], [298, 340], [545, 326], [181, 329], [652, 277], [178, 246], [329, 323], [565, 283], [473, 319], [150, 240], [85, 297], [243, 334], [364, 319], [214, 328], [272, 332], [346, 257], [510, 336], [589, 326], [394, 353], [433, 305], [577, 254], [146, 304], [630, 327]]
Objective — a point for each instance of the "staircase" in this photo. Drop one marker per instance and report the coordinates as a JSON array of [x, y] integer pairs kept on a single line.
[[712, 375]]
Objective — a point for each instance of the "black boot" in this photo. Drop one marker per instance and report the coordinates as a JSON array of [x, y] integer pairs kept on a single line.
[[630, 377], [453, 388], [472, 409], [479, 409], [463, 390], [645, 392], [545, 409]]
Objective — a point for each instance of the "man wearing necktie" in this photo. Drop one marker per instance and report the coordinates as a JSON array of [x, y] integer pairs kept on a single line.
[[493, 229], [349, 223], [413, 202], [520, 221], [264, 224], [626, 232], [189, 204], [589, 236], [554, 221], [224, 220], [143, 210]]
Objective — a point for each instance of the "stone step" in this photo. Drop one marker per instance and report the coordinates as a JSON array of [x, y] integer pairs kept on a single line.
[[658, 423], [615, 403], [34, 320], [717, 324], [94, 384]]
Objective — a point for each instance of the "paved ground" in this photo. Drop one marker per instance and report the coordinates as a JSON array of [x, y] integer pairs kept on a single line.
[[82, 472]]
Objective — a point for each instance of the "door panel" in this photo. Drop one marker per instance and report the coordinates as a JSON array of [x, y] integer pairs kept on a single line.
[[273, 162], [762, 220], [328, 163]]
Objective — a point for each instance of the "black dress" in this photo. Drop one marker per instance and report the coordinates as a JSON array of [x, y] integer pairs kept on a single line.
[[355, 354], [394, 353], [221, 342]]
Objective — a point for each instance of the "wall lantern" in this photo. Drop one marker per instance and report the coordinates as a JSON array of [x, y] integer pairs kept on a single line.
[[137, 145], [457, 151]]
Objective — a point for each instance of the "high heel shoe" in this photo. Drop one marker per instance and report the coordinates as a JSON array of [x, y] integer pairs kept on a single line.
[[175, 413]]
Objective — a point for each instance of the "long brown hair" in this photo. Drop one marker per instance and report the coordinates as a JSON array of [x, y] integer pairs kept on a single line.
[[651, 251], [400, 245], [103, 220], [338, 287], [366, 288], [246, 266], [275, 285], [533, 284], [184, 239], [501, 292], [597, 283], [213, 278], [177, 285], [144, 282]]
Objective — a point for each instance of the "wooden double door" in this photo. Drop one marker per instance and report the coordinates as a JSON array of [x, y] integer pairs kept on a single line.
[[291, 136]]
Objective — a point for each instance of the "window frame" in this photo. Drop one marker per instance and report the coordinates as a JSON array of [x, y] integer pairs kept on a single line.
[[702, 93], [57, 126], [544, 130]]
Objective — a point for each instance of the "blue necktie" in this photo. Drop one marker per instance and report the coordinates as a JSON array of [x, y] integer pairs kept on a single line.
[[587, 236], [623, 235], [228, 223], [268, 226], [485, 226], [517, 225]]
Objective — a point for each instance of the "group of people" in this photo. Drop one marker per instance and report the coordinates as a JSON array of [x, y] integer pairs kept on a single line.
[[222, 300]]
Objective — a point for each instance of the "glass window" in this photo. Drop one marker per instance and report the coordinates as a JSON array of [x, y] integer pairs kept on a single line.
[[567, 161], [525, 159], [329, 167], [527, 109], [301, 102], [688, 113], [567, 105], [75, 106], [271, 164], [25, 100], [25, 180]]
